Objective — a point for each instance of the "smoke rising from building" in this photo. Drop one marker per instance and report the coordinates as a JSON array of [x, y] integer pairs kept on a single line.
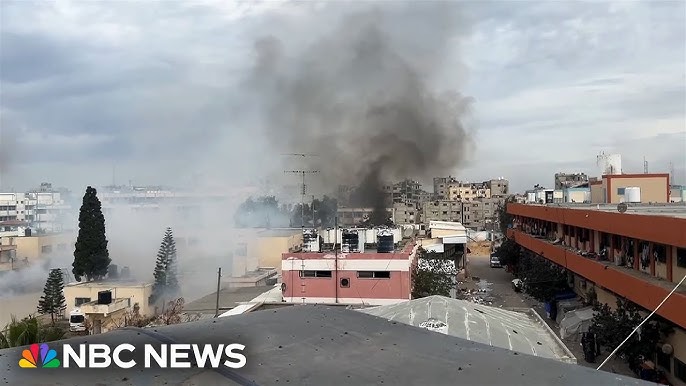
[[361, 96]]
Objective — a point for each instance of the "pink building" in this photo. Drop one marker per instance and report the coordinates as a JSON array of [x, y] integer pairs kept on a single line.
[[348, 278]]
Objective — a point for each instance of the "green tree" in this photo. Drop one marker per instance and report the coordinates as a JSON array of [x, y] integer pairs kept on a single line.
[[613, 326], [432, 275], [28, 331], [91, 257], [52, 302], [509, 252], [166, 282], [261, 212], [504, 219], [542, 278]]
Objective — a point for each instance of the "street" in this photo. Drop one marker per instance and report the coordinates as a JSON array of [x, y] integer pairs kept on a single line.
[[494, 288]]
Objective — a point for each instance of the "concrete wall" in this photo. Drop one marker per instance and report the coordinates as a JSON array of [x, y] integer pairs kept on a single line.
[[36, 247], [137, 293], [654, 187], [597, 193], [269, 250]]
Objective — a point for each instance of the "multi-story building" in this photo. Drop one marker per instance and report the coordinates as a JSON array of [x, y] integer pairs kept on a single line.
[[43, 209], [357, 216], [569, 180], [348, 278], [473, 204], [406, 213], [638, 254], [442, 210], [404, 192], [441, 187]]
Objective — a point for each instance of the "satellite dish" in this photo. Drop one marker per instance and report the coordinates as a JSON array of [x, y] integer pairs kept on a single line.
[[667, 349], [621, 208]]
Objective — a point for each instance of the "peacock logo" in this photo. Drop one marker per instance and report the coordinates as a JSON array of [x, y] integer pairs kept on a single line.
[[31, 360]]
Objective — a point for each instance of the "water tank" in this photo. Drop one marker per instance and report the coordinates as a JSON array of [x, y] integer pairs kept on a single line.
[[310, 240], [384, 242], [632, 194], [27, 232], [531, 197], [104, 297], [350, 241]]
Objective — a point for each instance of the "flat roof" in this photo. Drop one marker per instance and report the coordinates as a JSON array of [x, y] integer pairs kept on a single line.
[[228, 299], [318, 345], [517, 331], [677, 209], [109, 283]]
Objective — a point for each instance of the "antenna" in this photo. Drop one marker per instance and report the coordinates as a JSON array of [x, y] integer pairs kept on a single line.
[[303, 192], [671, 171], [645, 165]]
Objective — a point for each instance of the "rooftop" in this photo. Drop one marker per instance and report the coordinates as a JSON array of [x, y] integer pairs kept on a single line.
[[677, 209], [110, 283], [228, 299], [518, 331], [317, 345]]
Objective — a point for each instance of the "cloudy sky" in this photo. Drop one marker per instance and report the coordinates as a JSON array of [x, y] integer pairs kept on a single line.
[[153, 91]]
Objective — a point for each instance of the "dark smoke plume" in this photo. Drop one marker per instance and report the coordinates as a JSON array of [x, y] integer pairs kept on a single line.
[[360, 96]]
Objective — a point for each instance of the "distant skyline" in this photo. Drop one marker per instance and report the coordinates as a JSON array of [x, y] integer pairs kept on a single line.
[[152, 88]]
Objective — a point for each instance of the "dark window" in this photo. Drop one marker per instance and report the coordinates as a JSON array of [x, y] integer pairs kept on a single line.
[[681, 257], [374, 274], [664, 361], [679, 369], [322, 274], [46, 249], [660, 253], [620, 191], [80, 301], [345, 282]]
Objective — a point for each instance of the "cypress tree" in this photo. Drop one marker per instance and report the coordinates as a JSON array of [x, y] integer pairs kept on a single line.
[[91, 258], [165, 267], [52, 302]]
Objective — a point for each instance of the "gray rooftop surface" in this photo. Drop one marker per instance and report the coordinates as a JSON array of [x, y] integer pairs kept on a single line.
[[677, 209], [228, 299], [493, 326], [319, 345]]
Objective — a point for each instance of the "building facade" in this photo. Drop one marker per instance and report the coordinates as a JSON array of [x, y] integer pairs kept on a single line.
[[348, 278], [638, 255], [651, 187]]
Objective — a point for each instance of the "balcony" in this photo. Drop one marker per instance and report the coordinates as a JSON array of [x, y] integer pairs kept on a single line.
[[93, 307], [642, 289]]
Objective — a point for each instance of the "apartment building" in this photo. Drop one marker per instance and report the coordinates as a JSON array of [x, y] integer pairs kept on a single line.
[[406, 213], [472, 204], [43, 209], [404, 192], [442, 210], [368, 278], [638, 255]]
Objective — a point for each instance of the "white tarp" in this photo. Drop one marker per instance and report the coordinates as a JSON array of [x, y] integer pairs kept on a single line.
[[576, 321]]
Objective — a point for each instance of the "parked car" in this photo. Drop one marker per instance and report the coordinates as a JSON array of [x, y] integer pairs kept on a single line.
[[495, 262]]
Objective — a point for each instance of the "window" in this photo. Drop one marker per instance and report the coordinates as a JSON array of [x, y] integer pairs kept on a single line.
[[80, 301], [681, 257], [679, 369], [318, 274], [345, 282], [374, 274], [664, 361], [46, 249], [620, 191], [660, 253]]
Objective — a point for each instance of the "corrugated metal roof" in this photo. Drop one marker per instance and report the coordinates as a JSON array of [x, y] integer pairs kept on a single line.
[[493, 326]]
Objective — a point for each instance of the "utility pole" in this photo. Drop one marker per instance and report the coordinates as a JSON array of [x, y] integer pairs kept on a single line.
[[335, 249], [219, 280], [302, 193]]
